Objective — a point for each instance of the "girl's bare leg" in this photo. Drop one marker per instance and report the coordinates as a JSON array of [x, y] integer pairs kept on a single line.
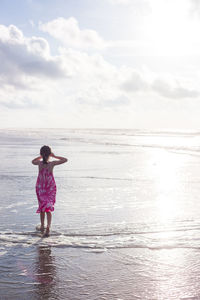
[[49, 217], [42, 216]]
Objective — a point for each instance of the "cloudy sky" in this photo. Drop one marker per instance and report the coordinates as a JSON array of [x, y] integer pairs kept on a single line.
[[100, 63]]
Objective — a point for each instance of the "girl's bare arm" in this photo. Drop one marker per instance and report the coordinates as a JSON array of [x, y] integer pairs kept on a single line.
[[61, 160], [36, 160]]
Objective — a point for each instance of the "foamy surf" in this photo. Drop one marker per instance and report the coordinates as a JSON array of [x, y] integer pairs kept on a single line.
[[99, 238], [126, 222]]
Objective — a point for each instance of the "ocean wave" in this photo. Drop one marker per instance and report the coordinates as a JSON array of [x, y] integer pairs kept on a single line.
[[185, 146], [62, 241], [100, 240], [114, 140]]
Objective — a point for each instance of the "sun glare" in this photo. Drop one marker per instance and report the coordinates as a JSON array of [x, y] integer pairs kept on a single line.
[[170, 29], [167, 174]]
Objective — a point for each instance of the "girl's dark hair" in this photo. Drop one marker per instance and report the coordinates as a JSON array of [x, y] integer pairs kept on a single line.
[[45, 151]]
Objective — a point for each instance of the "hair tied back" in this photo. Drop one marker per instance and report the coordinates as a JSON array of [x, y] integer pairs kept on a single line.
[[45, 151]]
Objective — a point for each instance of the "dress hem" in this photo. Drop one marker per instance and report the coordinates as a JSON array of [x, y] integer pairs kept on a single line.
[[46, 210]]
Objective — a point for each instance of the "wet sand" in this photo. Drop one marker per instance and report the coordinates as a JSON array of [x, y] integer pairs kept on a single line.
[[126, 222]]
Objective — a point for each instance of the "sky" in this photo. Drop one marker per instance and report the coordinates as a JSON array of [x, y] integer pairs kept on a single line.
[[100, 64]]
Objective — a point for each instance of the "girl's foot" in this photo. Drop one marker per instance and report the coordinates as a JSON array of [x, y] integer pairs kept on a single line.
[[46, 234], [40, 228]]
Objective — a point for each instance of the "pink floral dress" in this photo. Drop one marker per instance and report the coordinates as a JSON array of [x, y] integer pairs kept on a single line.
[[45, 190]]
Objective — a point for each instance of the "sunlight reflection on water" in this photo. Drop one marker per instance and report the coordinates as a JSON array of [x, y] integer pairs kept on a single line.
[[126, 222], [168, 182]]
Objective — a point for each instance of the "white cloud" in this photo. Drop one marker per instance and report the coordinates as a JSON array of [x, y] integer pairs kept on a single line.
[[167, 87], [67, 31], [20, 103], [135, 83], [173, 91], [73, 85], [195, 6], [21, 57]]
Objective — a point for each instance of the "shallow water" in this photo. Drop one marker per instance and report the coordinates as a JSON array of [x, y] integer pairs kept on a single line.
[[126, 222]]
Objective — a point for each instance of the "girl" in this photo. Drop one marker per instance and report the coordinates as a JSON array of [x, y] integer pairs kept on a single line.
[[45, 185]]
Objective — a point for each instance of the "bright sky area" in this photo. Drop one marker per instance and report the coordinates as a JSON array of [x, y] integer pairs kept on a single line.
[[100, 64]]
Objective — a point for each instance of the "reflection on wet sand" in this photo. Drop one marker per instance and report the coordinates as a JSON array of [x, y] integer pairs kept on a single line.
[[45, 273]]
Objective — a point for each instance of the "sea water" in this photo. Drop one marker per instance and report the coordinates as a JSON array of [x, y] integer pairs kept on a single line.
[[126, 223]]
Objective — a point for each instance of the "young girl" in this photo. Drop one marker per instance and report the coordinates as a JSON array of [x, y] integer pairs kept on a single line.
[[45, 185]]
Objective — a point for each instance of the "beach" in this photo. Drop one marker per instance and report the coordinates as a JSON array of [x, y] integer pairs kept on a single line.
[[126, 223]]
